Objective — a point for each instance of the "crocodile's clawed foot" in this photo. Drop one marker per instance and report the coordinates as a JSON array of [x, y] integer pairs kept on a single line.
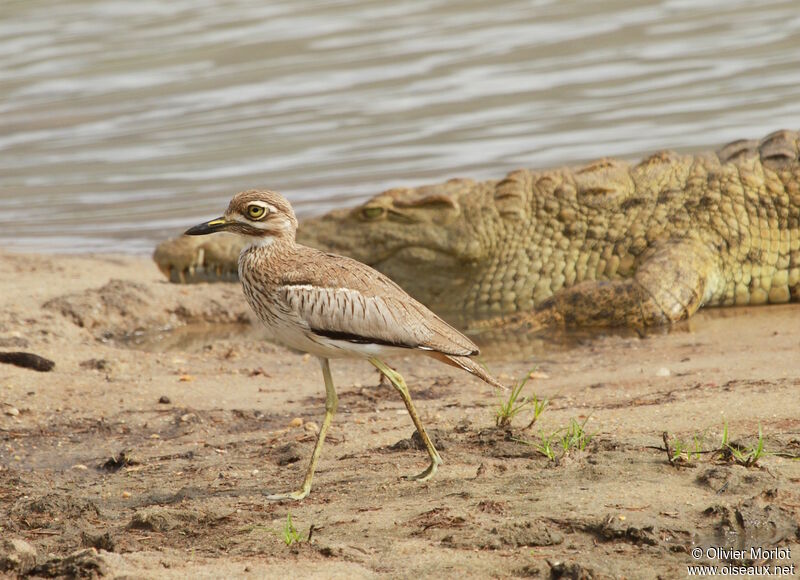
[[530, 322], [526, 322]]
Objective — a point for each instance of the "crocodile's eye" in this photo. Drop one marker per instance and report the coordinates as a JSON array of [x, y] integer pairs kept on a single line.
[[372, 213], [256, 211]]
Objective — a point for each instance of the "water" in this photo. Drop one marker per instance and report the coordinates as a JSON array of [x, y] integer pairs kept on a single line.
[[123, 122]]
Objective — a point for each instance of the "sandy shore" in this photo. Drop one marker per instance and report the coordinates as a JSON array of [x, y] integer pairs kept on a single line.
[[148, 448]]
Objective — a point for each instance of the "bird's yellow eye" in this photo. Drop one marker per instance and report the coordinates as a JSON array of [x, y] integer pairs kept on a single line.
[[256, 211], [372, 213]]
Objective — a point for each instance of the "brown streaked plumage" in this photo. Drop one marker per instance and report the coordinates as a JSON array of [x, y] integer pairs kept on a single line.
[[332, 306]]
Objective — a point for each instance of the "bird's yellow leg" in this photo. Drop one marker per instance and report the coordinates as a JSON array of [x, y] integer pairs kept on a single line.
[[399, 383], [331, 403]]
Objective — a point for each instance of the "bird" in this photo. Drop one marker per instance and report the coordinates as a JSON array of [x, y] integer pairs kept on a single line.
[[332, 306]]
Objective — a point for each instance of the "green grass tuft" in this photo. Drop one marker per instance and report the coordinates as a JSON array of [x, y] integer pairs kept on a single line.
[[561, 442], [681, 453], [290, 534], [515, 403], [746, 456], [575, 437]]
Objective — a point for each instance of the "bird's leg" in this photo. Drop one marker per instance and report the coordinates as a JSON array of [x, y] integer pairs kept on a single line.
[[331, 403], [398, 383]]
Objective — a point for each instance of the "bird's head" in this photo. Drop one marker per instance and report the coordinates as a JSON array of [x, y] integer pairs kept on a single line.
[[258, 215]]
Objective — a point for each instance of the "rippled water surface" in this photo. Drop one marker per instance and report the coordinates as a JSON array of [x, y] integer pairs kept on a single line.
[[123, 122]]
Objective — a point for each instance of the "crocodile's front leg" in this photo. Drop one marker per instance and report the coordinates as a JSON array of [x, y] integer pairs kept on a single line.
[[669, 285]]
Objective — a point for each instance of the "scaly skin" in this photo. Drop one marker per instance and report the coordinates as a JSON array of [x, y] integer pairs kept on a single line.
[[605, 244]]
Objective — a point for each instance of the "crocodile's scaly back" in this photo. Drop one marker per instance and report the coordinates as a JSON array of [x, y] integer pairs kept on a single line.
[[606, 243], [740, 207]]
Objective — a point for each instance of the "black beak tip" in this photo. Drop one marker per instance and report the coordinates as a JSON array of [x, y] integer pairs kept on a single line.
[[216, 225], [197, 230]]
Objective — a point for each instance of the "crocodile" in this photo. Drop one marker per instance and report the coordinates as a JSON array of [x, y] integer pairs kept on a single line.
[[609, 243]]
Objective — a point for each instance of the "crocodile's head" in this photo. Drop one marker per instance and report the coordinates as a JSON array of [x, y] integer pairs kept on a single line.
[[427, 238]]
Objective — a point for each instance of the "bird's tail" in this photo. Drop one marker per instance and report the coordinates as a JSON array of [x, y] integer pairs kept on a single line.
[[469, 365]]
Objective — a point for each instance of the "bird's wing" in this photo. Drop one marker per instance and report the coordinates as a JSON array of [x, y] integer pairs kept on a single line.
[[342, 299]]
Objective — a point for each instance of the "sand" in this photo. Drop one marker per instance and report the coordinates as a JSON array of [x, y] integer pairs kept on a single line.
[[149, 447]]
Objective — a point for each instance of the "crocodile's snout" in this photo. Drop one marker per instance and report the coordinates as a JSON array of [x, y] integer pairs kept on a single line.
[[188, 259]]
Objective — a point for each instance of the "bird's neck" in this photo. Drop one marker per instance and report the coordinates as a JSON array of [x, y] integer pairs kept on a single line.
[[265, 256], [268, 246]]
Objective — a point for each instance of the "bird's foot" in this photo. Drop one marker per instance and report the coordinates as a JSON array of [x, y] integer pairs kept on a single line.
[[425, 475], [291, 496]]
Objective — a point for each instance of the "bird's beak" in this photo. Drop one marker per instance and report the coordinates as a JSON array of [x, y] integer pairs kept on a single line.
[[216, 225]]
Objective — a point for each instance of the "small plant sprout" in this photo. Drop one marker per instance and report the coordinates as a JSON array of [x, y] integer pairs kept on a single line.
[[680, 452], [573, 437], [677, 450], [576, 437], [746, 456], [545, 446], [538, 407], [290, 534], [698, 449], [515, 403]]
